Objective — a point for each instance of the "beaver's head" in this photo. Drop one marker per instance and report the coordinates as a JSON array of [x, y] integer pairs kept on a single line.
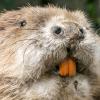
[[33, 40]]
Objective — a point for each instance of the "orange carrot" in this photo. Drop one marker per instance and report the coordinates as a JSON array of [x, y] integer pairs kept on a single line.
[[67, 67], [72, 67]]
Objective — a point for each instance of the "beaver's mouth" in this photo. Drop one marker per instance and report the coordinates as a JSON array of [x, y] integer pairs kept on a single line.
[[71, 65], [81, 68]]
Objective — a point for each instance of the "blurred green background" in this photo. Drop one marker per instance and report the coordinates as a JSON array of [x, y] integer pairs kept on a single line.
[[91, 7]]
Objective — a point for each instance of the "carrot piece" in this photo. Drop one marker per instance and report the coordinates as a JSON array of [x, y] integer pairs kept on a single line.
[[63, 69], [72, 67], [67, 67]]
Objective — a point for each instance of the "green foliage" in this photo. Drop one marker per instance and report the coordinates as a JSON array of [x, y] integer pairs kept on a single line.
[[7, 4]]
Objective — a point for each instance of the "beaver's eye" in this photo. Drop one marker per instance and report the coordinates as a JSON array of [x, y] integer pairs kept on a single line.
[[22, 23], [81, 30], [57, 30]]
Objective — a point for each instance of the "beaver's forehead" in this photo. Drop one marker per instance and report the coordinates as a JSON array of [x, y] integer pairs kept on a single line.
[[65, 17], [60, 20], [38, 16], [49, 12]]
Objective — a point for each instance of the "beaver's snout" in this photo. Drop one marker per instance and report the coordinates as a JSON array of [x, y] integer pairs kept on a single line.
[[72, 31], [75, 31], [81, 33]]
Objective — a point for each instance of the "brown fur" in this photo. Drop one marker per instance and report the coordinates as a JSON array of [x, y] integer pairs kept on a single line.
[[20, 80]]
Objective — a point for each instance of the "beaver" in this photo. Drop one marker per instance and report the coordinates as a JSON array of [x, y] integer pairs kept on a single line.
[[34, 41]]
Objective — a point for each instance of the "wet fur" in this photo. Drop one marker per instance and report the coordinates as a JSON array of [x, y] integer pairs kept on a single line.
[[28, 54]]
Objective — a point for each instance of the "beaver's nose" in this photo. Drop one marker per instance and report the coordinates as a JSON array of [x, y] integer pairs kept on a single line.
[[75, 31], [81, 34]]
